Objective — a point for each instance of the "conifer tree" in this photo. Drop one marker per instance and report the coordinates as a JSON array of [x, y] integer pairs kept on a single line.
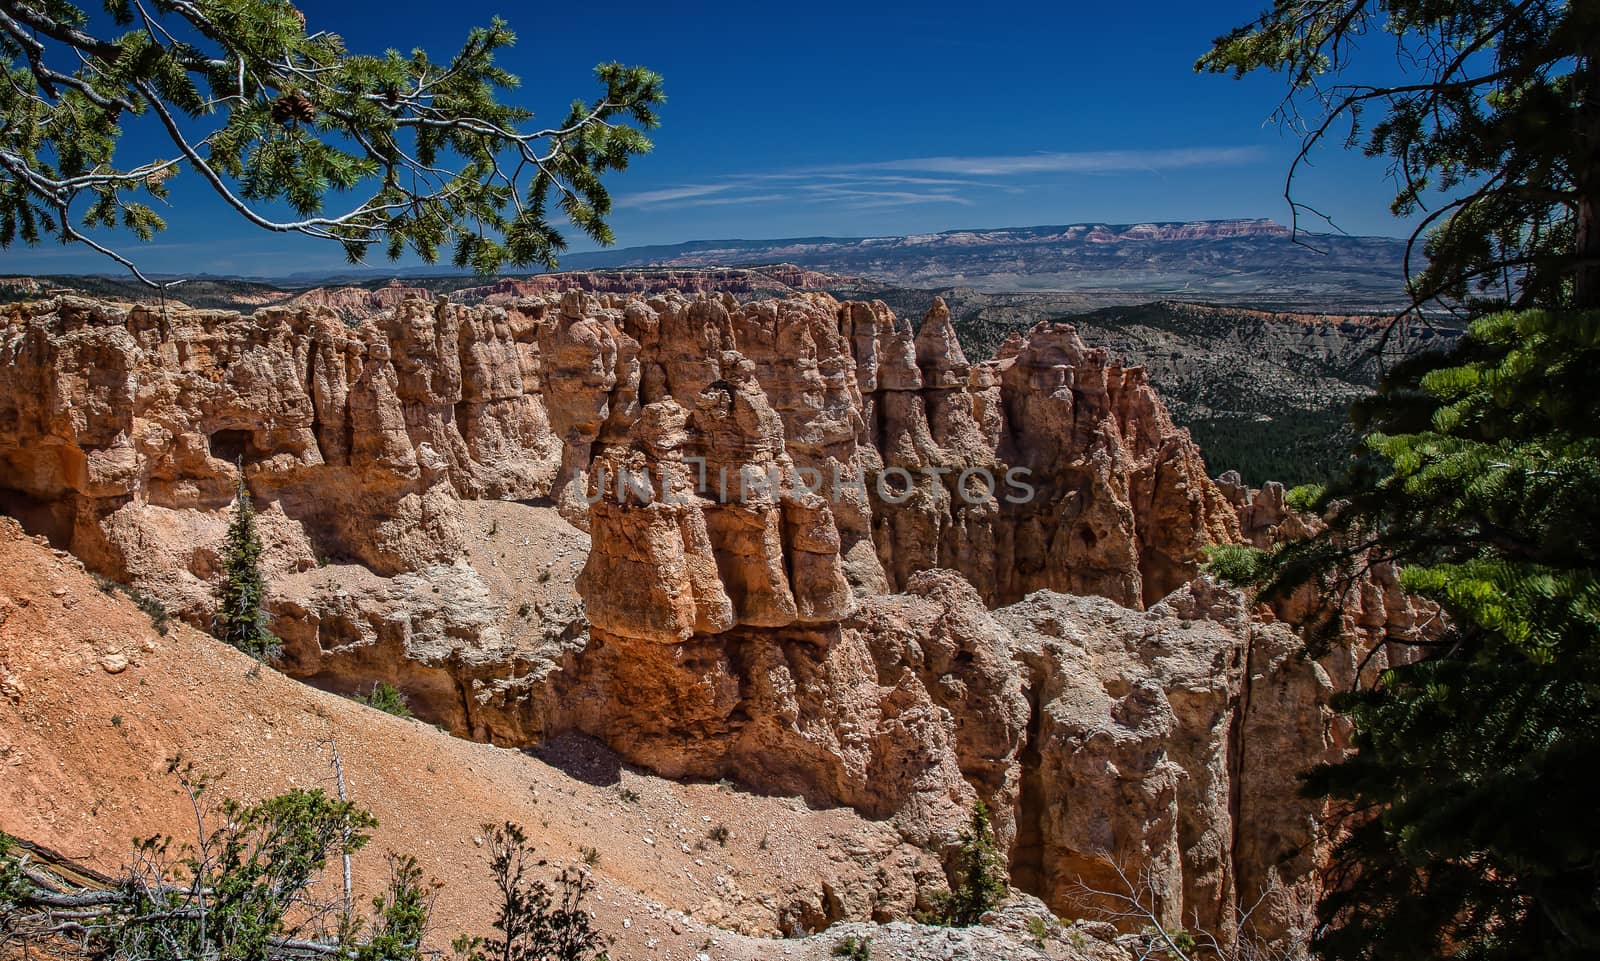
[[1472, 831], [1467, 809], [241, 620], [979, 872], [273, 113]]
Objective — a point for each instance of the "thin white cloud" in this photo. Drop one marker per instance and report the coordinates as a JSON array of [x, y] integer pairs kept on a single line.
[[850, 197], [647, 198], [925, 180], [720, 201], [854, 174], [885, 198], [874, 203], [1090, 161]]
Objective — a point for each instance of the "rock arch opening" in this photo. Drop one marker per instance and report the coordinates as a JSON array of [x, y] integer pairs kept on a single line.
[[232, 445]]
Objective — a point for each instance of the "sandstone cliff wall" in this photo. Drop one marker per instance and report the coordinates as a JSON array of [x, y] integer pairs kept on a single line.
[[364, 436], [804, 545]]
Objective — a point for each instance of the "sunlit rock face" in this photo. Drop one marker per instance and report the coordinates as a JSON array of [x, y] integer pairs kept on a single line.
[[833, 439]]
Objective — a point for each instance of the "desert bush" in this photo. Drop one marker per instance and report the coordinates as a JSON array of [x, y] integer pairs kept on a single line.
[[246, 889], [536, 920], [13, 884], [1039, 929], [853, 948], [153, 609], [386, 698]]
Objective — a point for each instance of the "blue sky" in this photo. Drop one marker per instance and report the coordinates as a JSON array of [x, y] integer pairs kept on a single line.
[[856, 119]]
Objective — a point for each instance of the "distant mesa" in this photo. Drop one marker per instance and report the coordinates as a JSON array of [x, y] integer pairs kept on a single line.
[[1233, 260], [1241, 261]]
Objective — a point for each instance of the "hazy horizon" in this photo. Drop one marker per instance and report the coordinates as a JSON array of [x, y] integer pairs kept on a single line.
[[382, 268]]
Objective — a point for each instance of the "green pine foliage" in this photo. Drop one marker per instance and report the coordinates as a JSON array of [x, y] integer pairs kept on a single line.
[[979, 874], [400, 916], [241, 619], [273, 114], [1468, 804], [256, 867], [13, 884], [252, 886], [1472, 788]]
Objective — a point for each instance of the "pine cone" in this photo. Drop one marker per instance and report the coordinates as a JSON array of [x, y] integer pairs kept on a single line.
[[293, 107], [298, 15]]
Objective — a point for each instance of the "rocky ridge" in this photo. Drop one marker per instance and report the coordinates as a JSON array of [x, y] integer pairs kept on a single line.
[[772, 280], [859, 615]]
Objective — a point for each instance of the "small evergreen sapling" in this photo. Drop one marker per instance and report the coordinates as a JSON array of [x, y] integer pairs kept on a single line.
[[980, 876], [241, 620]]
